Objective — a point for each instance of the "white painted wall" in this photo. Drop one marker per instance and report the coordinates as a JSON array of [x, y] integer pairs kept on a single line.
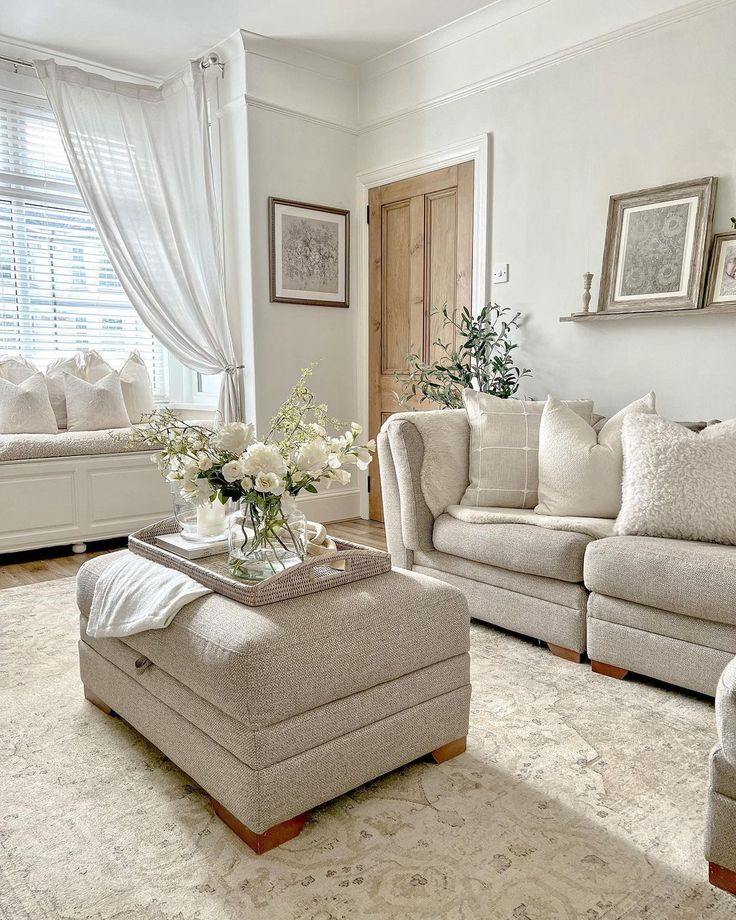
[[647, 105]]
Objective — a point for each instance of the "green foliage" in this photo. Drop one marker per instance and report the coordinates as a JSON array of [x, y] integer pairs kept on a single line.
[[482, 360]]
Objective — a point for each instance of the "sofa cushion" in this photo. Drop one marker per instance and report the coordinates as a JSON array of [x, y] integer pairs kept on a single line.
[[726, 712], [695, 579], [65, 444], [516, 547], [262, 665]]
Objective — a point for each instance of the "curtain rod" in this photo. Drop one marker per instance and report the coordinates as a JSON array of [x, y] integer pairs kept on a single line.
[[18, 62], [208, 60]]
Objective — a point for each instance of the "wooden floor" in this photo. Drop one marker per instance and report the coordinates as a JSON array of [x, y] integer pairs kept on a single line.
[[60, 562]]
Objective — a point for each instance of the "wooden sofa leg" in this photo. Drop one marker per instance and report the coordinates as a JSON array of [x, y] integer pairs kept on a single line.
[[96, 701], [450, 750], [261, 843], [722, 877], [610, 670], [567, 653]]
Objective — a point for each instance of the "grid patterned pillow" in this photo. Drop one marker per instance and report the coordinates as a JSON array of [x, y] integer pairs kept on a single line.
[[504, 448]]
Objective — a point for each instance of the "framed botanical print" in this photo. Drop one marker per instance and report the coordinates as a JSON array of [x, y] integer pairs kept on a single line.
[[722, 273], [655, 253], [309, 253]]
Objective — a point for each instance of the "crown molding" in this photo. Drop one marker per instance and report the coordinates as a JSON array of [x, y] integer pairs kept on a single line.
[[659, 21], [249, 101]]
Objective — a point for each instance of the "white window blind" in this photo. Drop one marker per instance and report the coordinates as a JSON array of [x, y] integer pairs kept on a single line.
[[58, 292]]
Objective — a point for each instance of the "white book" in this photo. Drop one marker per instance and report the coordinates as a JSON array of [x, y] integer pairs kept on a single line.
[[190, 549]]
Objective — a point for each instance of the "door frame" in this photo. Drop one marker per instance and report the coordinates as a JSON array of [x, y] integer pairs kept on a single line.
[[475, 149]]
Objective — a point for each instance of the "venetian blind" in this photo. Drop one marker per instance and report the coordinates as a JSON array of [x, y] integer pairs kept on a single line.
[[58, 291]]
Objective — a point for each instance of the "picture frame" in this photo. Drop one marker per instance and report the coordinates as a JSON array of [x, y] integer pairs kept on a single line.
[[309, 253], [721, 290], [655, 255]]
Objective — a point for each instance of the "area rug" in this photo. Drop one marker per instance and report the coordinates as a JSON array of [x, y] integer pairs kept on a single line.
[[580, 797]]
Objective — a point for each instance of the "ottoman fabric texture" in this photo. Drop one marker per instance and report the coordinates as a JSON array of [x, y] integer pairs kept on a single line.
[[276, 709]]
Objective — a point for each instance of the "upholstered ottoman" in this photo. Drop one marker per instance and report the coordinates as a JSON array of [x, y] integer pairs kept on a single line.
[[276, 709]]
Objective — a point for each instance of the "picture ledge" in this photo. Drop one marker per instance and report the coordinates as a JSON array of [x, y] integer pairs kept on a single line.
[[644, 314]]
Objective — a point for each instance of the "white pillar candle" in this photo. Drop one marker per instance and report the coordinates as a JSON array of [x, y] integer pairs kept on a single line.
[[210, 519]]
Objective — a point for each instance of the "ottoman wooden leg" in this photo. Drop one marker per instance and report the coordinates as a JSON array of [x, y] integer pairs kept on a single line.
[[610, 670], [567, 653], [449, 750], [261, 843], [722, 878], [96, 701]]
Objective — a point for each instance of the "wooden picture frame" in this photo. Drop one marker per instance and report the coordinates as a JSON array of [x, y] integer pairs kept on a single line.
[[309, 253], [656, 248], [721, 289]]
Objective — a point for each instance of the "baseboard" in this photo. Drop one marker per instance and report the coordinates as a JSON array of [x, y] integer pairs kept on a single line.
[[335, 505]]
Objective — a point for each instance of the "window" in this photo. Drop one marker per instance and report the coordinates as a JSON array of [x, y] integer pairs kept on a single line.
[[58, 291]]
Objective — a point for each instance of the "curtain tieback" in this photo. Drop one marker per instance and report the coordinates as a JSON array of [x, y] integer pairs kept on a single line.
[[232, 368]]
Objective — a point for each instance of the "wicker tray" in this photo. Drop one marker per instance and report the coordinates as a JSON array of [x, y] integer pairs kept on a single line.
[[308, 578]]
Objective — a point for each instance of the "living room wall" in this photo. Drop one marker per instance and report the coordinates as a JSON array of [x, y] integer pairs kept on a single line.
[[645, 108]]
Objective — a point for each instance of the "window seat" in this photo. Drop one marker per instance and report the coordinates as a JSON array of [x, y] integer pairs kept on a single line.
[[65, 444]]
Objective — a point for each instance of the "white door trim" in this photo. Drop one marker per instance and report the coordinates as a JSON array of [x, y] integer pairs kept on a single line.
[[475, 149]]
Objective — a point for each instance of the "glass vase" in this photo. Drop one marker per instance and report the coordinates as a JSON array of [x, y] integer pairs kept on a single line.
[[264, 539], [200, 523]]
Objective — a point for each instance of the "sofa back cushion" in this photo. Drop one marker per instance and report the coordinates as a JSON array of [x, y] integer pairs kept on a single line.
[[580, 469], [93, 406], [504, 442], [25, 407], [678, 483]]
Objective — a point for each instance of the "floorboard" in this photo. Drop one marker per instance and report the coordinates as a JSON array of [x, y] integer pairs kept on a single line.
[[28, 568]]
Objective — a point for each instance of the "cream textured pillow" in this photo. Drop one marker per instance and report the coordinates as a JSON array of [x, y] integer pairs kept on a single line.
[[25, 407], [92, 406], [94, 366], [678, 483], [580, 470], [504, 440], [137, 389], [16, 368], [55, 374]]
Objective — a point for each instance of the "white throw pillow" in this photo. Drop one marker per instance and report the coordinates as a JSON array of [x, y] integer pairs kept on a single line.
[[16, 368], [93, 406], [94, 366], [25, 407], [678, 483], [137, 389], [504, 441], [580, 470], [55, 373]]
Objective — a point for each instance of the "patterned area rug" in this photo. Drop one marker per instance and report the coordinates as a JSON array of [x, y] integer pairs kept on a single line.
[[580, 797]]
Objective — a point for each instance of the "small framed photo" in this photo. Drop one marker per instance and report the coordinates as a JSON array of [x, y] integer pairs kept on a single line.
[[656, 248], [722, 273], [309, 253]]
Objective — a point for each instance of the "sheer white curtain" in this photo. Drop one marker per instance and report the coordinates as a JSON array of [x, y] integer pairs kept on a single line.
[[141, 158]]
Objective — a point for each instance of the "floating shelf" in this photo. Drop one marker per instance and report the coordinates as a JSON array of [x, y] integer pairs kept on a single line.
[[647, 314]]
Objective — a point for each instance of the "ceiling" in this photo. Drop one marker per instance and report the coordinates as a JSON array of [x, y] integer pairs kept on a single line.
[[154, 37]]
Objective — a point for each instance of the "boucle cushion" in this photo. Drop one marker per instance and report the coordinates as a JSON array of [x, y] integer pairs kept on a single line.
[[94, 366], [580, 470], [91, 406], [504, 441], [137, 390], [678, 483], [55, 374], [16, 368], [25, 407]]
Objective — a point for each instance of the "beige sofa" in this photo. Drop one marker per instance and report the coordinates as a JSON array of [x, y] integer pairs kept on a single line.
[[664, 608]]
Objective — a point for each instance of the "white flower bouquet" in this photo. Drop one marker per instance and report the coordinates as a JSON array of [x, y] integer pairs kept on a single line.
[[263, 476]]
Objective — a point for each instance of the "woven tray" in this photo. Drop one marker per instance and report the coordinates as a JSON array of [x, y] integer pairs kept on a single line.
[[299, 580]]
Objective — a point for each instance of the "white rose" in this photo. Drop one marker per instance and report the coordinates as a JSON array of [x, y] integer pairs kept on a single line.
[[264, 458], [234, 438], [233, 470], [269, 482], [204, 463], [312, 456]]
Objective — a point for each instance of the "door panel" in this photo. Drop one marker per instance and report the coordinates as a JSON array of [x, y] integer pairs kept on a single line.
[[420, 259]]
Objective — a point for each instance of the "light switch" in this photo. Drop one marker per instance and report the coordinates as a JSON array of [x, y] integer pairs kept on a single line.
[[501, 273]]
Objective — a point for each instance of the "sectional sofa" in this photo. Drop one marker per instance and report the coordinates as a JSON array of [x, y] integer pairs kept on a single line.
[[663, 608]]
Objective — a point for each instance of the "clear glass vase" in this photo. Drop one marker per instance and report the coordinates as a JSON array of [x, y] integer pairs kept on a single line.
[[200, 523], [264, 539]]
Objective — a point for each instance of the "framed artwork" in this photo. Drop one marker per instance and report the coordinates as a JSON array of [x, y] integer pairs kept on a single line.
[[722, 273], [309, 253], [656, 248]]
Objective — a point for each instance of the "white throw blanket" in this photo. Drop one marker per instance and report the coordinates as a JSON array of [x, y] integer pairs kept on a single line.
[[133, 595]]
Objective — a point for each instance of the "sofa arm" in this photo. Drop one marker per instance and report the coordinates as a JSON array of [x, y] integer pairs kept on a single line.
[[401, 556], [428, 457], [726, 712]]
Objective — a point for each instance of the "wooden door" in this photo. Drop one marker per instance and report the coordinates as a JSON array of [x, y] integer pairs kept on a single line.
[[421, 258]]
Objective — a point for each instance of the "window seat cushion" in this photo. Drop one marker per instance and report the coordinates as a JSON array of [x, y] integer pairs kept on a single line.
[[65, 444]]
